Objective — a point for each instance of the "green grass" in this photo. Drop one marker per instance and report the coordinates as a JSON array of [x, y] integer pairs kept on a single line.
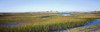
[[83, 29], [37, 24], [49, 25]]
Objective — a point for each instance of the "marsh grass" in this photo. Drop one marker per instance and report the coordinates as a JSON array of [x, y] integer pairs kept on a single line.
[[85, 29], [46, 26], [37, 24]]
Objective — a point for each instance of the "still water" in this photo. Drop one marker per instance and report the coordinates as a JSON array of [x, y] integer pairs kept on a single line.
[[66, 14], [12, 24]]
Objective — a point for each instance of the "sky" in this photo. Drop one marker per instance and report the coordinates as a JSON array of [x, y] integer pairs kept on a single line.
[[48, 5]]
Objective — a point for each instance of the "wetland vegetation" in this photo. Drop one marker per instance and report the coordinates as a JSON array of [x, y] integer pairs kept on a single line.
[[43, 22]]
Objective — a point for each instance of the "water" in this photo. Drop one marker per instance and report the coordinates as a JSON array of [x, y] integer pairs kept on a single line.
[[12, 24], [97, 21], [66, 14]]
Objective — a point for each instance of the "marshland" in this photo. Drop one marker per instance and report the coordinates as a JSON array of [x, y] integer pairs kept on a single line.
[[48, 22], [49, 15]]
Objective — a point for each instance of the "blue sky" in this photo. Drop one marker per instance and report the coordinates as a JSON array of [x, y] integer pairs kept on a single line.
[[47, 5]]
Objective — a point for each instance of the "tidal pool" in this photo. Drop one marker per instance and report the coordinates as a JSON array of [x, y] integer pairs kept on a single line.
[[12, 24]]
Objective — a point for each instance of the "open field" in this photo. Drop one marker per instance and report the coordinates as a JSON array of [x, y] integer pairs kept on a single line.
[[44, 22]]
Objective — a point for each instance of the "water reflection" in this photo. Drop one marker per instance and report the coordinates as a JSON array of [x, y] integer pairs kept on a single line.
[[12, 24], [97, 21]]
